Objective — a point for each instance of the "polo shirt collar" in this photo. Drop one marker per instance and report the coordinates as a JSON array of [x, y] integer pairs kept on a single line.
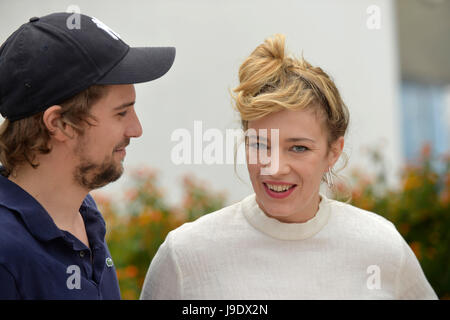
[[37, 219]]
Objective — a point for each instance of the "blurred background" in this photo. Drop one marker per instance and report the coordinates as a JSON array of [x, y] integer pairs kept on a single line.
[[389, 59]]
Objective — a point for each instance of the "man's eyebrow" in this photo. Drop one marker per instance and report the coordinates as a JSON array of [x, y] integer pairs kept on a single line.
[[124, 105], [299, 139]]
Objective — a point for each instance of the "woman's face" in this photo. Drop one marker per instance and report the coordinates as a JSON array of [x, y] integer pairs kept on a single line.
[[290, 193]]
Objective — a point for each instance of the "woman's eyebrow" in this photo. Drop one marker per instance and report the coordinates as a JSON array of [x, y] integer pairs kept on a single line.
[[299, 139]]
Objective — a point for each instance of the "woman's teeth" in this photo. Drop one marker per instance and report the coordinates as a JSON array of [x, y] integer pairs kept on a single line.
[[279, 188]]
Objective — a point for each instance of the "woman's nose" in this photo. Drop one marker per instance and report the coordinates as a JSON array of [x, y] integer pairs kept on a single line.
[[277, 165]]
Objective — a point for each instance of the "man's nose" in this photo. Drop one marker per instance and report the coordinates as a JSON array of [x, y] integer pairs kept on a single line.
[[134, 129]]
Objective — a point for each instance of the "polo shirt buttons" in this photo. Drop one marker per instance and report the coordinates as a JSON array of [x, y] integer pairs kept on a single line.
[[109, 262], [82, 254]]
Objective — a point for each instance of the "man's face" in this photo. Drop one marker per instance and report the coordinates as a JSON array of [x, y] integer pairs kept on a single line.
[[101, 149]]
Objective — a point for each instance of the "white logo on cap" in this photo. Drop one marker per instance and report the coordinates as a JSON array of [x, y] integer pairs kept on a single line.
[[108, 30]]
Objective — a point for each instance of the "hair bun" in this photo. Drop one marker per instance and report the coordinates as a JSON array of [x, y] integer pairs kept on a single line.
[[263, 66], [272, 48]]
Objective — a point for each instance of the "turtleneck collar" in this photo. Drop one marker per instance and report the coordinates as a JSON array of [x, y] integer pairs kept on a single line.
[[281, 230]]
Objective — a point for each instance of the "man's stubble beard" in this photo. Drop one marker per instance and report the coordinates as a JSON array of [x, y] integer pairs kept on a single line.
[[92, 176]]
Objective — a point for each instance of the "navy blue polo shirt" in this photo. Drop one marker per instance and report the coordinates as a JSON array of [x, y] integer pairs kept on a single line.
[[40, 261]]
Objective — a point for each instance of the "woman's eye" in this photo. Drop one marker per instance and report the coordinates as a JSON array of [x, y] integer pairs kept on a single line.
[[258, 145], [299, 148]]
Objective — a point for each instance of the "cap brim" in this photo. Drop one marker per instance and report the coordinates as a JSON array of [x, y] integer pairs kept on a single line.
[[140, 65]]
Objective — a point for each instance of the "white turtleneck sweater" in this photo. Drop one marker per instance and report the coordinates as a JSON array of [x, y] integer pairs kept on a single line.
[[239, 252]]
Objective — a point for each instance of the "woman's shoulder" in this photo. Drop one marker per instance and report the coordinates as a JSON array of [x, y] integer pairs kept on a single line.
[[349, 211], [362, 223]]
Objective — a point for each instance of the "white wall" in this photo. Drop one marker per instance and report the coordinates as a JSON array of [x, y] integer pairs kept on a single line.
[[212, 38]]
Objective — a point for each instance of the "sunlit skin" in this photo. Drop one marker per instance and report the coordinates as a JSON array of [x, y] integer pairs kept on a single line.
[[301, 163]]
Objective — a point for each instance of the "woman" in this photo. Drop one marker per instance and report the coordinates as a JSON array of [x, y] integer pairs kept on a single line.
[[287, 240]]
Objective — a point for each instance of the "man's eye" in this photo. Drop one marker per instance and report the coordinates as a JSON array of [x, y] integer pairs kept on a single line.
[[299, 148], [122, 114]]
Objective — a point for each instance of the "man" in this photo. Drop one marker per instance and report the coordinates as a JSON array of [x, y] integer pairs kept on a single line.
[[67, 97]]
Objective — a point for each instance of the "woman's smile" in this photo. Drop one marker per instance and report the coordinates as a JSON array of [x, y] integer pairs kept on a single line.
[[278, 189]]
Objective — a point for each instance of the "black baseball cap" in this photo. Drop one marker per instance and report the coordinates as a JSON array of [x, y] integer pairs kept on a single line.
[[50, 59]]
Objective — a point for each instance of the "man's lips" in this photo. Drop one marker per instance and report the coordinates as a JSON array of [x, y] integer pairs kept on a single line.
[[122, 151], [121, 148], [123, 145]]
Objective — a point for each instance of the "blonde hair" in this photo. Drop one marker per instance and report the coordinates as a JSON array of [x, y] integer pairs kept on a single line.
[[272, 81]]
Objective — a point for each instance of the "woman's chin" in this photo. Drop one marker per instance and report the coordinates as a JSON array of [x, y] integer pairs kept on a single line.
[[275, 210], [277, 214]]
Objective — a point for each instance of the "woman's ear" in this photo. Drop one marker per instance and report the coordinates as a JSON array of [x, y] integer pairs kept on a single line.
[[335, 152], [56, 125]]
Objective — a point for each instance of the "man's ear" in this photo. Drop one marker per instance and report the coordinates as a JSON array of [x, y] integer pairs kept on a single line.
[[56, 125]]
